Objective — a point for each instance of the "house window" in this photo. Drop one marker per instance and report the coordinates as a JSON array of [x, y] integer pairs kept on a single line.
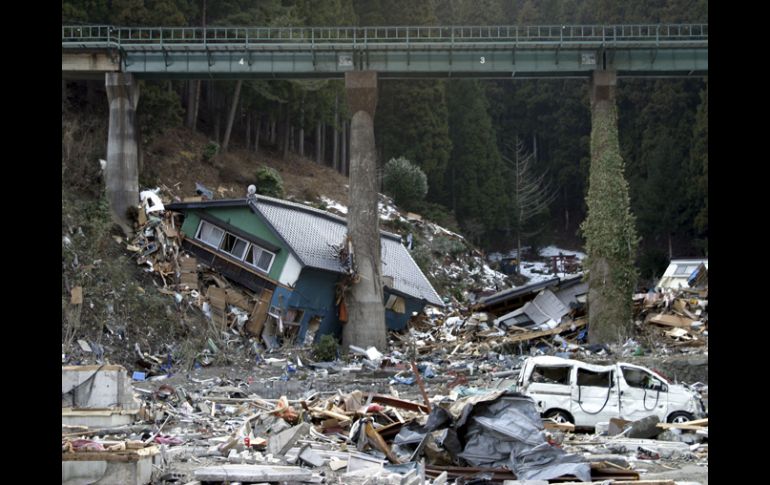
[[234, 245], [396, 304], [685, 269], [260, 258], [210, 234]]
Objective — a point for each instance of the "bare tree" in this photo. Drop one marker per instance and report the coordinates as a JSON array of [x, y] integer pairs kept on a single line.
[[231, 117], [532, 193]]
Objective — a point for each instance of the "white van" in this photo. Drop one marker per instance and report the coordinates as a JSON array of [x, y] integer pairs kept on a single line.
[[585, 394]]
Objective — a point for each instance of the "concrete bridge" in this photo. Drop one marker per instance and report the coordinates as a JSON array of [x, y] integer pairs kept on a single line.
[[497, 52]]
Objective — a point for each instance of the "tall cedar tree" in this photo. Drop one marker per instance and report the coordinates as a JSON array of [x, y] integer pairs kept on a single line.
[[476, 176], [412, 115]]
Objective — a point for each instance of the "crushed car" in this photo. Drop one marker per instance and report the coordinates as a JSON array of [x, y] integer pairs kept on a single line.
[[585, 394]]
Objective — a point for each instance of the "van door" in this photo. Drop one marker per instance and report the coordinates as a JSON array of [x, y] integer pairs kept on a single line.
[[594, 396], [549, 386], [641, 394]]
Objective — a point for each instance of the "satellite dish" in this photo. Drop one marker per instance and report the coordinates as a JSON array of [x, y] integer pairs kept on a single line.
[[252, 190]]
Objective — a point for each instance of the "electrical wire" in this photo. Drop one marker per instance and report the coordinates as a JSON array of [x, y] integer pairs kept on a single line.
[[644, 400], [606, 400]]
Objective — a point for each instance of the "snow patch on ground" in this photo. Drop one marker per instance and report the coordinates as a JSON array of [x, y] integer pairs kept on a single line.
[[536, 271], [332, 204], [555, 251]]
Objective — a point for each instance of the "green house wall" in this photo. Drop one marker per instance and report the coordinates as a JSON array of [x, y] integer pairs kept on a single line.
[[244, 219]]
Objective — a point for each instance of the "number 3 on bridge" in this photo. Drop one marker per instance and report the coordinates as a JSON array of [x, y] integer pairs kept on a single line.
[[482, 60]]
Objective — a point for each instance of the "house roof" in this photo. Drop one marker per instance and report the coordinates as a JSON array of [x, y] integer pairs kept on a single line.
[[511, 293], [679, 271], [545, 307], [312, 234]]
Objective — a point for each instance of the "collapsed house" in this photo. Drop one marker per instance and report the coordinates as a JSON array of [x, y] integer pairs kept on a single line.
[[297, 259], [685, 273], [539, 306]]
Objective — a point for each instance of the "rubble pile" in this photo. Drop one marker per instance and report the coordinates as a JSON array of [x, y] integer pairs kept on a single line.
[[677, 320], [215, 430], [442, 404]]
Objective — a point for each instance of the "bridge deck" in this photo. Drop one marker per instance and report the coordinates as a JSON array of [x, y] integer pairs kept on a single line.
[[444, 51]]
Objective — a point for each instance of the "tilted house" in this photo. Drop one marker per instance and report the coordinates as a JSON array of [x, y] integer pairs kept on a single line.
[[288, 254]]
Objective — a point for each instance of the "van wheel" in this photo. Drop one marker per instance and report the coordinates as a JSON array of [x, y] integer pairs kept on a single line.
[[560, 416], [680, 417]]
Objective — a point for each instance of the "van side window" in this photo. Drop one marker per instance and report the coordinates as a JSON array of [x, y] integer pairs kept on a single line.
[[550, 375], [641, 379], [586, 377]]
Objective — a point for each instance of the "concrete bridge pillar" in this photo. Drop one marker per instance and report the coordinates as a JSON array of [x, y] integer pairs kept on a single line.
[[366, 312], [122, 173], [603, 84], [609, 224]]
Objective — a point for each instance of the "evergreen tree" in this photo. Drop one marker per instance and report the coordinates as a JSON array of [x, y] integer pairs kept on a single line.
[[476, 176], [411, 122], [699, 168], [411, 118]]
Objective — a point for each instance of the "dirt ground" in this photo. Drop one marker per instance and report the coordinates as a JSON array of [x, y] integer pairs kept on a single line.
[[177, 161]]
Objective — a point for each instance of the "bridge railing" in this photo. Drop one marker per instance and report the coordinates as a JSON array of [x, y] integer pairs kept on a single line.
[[546, 34]]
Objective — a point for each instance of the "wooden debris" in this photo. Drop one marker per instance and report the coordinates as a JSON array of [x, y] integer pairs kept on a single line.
[[554, 426], [671, 320]]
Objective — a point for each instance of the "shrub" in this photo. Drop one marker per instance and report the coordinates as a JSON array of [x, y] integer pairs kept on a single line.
[[269, 182], [211, 150], [405, 182], [326, 348]]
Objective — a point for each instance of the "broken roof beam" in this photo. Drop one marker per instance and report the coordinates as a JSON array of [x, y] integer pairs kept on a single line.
[[564, 327], [400, 403]]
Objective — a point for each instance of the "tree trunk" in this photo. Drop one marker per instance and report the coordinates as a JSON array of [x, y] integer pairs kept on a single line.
[[196, 105], [301, 142], [323, 143], [248, 131], [210, 107], [518, 221], [670, 248], [335, 143], [286, 134], [301, 139], [190, 103], [273, 130], [344, 148], [256, 134], [318, 142], [231, 117]]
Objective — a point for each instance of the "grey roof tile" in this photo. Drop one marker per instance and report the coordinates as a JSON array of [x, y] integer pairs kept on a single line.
[[313, 233]]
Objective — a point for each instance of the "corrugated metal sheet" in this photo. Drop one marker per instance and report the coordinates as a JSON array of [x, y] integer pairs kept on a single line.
[[544, 308], [570, 294], [313, 233]]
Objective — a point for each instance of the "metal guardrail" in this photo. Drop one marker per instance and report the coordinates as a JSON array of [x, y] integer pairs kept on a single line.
[[79, 35]]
